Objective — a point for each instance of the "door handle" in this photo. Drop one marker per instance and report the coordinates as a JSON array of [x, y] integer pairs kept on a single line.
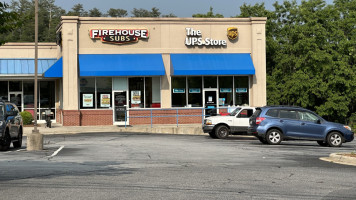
[[303, 123], [281, 120]]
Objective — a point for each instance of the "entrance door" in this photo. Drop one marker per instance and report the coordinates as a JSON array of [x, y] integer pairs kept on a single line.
[[16, 98], [210, 102], [120, 105]]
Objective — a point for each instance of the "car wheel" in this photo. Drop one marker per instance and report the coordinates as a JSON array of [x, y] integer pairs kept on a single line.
[[18, 143], [322, 143], [334, 139], [222, 132], [262, 140], [212, 134], [274, 136], [5, 143]]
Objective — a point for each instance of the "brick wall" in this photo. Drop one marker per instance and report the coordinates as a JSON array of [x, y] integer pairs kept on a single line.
[[71, 117], [165, 116], [96, 117]]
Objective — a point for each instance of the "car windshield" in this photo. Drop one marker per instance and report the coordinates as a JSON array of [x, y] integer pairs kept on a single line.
[[233, 113]]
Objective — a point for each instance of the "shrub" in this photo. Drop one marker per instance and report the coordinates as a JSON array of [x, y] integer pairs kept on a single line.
[[26, 117], [352, 121]]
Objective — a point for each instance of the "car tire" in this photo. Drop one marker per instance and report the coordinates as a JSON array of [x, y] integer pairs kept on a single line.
[[322, 143], [262, 140], [334, 139], [274, 136], [6, 142], [18, 143], [222, 132], [212, 135]]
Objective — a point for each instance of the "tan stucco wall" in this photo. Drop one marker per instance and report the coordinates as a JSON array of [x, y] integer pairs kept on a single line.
[[167, 36], [27, 50]]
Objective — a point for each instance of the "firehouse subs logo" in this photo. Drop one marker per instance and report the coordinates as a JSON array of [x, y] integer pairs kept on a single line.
[[232, 33], [118, 36]]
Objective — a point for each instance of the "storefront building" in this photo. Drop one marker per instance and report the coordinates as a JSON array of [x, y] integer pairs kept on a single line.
[[102, 67]]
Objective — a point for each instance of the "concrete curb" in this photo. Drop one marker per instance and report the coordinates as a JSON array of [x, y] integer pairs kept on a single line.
[[187, 130], [340, 158]]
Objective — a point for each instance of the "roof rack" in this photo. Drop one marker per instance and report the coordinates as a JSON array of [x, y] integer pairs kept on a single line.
[[284, 106]]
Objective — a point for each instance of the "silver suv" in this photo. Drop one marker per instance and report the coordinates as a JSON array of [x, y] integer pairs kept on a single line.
[[11, 126]]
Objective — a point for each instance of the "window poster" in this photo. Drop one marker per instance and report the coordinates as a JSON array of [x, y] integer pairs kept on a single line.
[[135, 97], [105, 100], [88, 100]]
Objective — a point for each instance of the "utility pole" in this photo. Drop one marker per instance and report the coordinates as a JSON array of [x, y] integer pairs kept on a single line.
[[35, 139]]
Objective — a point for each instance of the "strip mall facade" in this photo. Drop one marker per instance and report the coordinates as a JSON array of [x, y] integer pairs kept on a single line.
[[100, 67]]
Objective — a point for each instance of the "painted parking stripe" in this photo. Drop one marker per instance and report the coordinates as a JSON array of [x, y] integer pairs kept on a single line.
[[56, 152]]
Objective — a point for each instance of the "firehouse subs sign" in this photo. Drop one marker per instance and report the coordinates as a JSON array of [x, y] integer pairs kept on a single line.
[[119, 36]]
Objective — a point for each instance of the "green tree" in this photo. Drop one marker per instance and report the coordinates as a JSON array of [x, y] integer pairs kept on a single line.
[[209, 14], [78, 10], [49, 17], [95, 12], [169, 15], [112, 12], [9, 21], [146, 13]]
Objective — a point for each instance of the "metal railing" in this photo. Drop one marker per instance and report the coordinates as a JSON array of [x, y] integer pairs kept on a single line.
[[156, 113]]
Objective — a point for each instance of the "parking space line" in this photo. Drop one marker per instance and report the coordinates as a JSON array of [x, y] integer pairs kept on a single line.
[[56, 152]]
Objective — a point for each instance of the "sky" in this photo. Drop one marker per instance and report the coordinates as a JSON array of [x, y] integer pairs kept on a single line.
[[181, 8]]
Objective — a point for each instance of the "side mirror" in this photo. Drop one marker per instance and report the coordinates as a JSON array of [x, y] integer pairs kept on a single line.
[[318, 121]]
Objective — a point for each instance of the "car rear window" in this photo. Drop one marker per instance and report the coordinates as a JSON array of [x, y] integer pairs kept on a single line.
[[272, 113], [288, 114], [256, 113]]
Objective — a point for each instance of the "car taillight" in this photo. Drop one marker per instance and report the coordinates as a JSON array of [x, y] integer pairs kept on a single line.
[[259, 120]]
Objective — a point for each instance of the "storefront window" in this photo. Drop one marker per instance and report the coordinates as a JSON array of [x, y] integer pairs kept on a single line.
[[195, 97], [103, 92], [87, 93], [15, 86], [210, 82], [47, 94], [136, 92], [4, 95], [225, 91], [241, 90], [152, 92], [28, 94], [179, 92]]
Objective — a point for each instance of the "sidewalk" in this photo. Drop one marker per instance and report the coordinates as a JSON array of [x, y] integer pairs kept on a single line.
[[191, 129]]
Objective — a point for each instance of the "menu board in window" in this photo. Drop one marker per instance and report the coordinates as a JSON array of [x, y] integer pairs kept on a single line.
[[88, 100], [105, 100]]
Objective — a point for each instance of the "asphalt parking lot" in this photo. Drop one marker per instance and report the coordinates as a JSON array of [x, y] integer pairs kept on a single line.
[[161, 166]]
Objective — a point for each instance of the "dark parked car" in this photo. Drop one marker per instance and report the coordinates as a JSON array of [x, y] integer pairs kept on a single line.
[[11, 126], [272, 124]]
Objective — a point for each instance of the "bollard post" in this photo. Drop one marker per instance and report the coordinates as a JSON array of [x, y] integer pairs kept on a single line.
[[151, 118], [177, 117]]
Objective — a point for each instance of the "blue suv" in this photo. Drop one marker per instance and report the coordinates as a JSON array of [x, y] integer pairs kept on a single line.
[[272, 124]]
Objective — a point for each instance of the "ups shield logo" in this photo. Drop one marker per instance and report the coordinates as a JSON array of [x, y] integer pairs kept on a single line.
[[232, 33]]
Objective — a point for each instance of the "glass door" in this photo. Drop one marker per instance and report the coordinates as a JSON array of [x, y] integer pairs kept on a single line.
[[120, 107], [16, 98], [210, 102]]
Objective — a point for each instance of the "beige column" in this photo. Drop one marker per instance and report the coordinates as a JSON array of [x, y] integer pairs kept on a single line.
[[166, 82], [70, 63], [258, 94]]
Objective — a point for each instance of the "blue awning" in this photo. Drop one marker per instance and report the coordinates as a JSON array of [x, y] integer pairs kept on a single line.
[[56, 70], [20, 66], [212, 64], [121, 65]]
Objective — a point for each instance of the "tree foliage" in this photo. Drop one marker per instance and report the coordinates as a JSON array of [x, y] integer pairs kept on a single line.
[[146, 13], [209, 14], [311, 55], [112, 12], [9, 20]]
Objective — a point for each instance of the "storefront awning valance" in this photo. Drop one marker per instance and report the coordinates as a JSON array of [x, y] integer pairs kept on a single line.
[[121, 65], [56, 70], [212, 64], [21, 66]]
